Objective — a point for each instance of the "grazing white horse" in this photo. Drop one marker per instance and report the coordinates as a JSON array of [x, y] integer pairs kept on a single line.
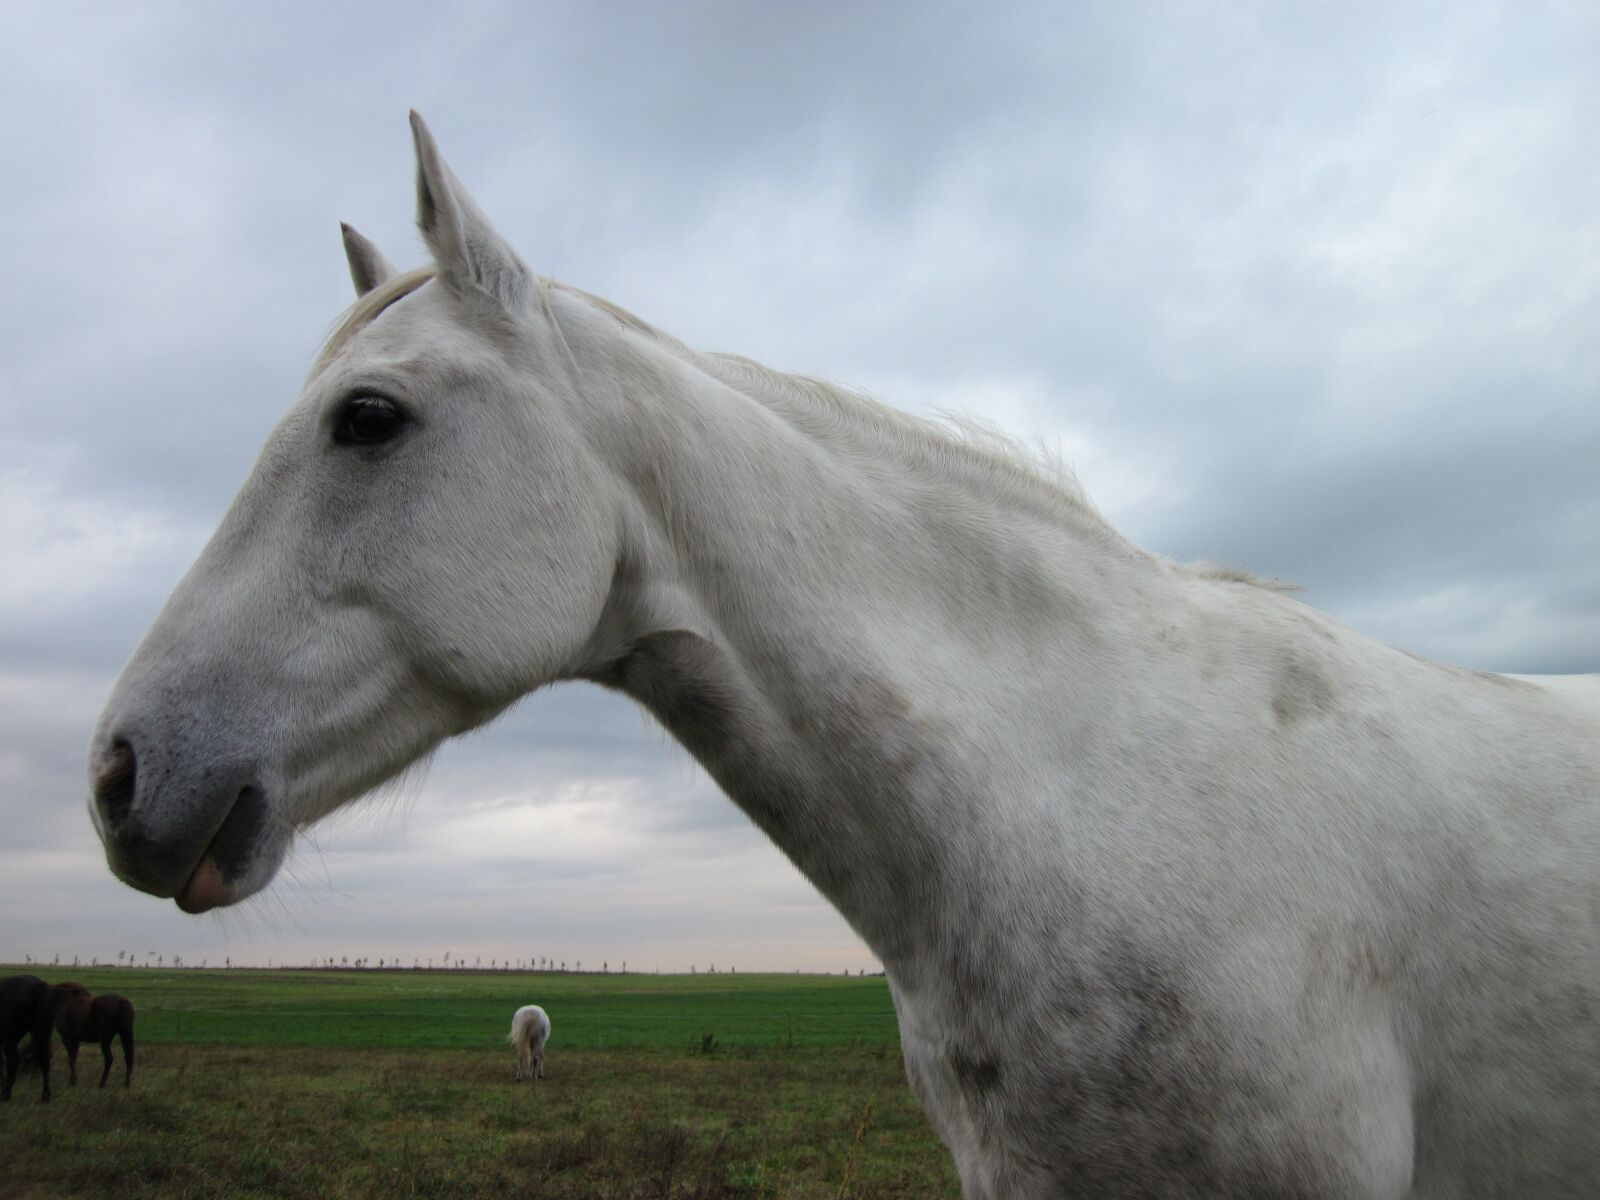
[[1183, 889], [530, 1030]]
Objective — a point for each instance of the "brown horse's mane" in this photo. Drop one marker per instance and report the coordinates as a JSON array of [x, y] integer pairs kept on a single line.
[[69, 992]]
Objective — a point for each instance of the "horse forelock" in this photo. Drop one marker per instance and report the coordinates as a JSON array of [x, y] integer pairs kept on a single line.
[[366, 310]]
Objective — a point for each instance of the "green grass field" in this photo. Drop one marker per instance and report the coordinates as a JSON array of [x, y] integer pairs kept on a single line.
[[464, 1008], [344, 1084]]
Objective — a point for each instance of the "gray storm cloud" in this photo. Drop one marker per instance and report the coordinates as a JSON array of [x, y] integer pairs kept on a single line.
[[1307, 291]]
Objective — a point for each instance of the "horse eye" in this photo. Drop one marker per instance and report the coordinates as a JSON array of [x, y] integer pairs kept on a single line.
[[367, 420]]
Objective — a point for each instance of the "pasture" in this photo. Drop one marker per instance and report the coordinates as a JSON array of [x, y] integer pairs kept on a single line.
[[360, 1083]]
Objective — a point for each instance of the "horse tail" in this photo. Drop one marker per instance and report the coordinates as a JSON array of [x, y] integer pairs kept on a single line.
[[526, 1028]]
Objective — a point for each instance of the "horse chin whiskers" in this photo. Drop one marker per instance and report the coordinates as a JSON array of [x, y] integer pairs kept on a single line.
[[332, 792], [277, 909], [396, 795]]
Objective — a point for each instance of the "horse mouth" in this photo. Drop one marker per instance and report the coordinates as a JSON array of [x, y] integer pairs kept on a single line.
[[232, 852], [205, 890]]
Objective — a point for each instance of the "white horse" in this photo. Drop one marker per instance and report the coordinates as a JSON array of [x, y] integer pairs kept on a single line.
[[530, 1030], [1182, 888]]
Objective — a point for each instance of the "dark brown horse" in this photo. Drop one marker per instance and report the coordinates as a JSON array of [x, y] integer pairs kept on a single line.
[[80, 1019], [27, 1006]]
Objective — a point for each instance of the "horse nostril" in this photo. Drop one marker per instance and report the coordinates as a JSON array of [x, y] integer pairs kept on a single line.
[[113, 788]]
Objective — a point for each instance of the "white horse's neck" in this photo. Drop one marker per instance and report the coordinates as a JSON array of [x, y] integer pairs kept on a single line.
[[845, 621]]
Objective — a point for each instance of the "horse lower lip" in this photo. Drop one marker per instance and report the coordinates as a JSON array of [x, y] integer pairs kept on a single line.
[[233, 842], [205, 889]]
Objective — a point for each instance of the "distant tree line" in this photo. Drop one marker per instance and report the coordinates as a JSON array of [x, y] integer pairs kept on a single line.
[[534, 964]]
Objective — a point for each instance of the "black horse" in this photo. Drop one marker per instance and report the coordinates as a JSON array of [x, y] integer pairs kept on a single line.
[[80, 1019], [27, 1006]]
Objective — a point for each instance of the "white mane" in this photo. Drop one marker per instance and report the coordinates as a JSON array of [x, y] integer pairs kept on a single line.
[[1035, 479]]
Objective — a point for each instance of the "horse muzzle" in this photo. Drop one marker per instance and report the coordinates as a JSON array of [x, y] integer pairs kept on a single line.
[[200, 836]]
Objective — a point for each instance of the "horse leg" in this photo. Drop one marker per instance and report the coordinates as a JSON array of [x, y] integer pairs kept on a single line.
[[13, 1060], [538, 1063], [41, 1045], [126, 1035], [72, 1060], [105, 1053]]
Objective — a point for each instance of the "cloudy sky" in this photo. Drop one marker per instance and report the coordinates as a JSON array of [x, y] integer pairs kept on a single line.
[[1310, 289]]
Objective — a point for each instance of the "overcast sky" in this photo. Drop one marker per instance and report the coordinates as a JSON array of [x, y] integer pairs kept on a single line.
[[1310, 289]]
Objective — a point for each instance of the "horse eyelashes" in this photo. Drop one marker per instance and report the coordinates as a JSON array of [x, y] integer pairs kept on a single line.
[[368, 420]]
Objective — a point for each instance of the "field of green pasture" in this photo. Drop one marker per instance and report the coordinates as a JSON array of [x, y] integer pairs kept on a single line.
[[373, 1083], [466, 1008]]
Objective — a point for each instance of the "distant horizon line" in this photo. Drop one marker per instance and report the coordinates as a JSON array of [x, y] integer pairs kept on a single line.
[[454, 968]]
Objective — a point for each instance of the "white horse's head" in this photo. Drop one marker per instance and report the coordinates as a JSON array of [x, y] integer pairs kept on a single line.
[[426, 537]]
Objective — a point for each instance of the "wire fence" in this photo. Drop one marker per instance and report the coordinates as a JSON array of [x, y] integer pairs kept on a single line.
[[572, 1028]]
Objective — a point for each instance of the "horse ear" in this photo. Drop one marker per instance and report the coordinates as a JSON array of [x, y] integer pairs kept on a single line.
[[368, 266], [469, 254]]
